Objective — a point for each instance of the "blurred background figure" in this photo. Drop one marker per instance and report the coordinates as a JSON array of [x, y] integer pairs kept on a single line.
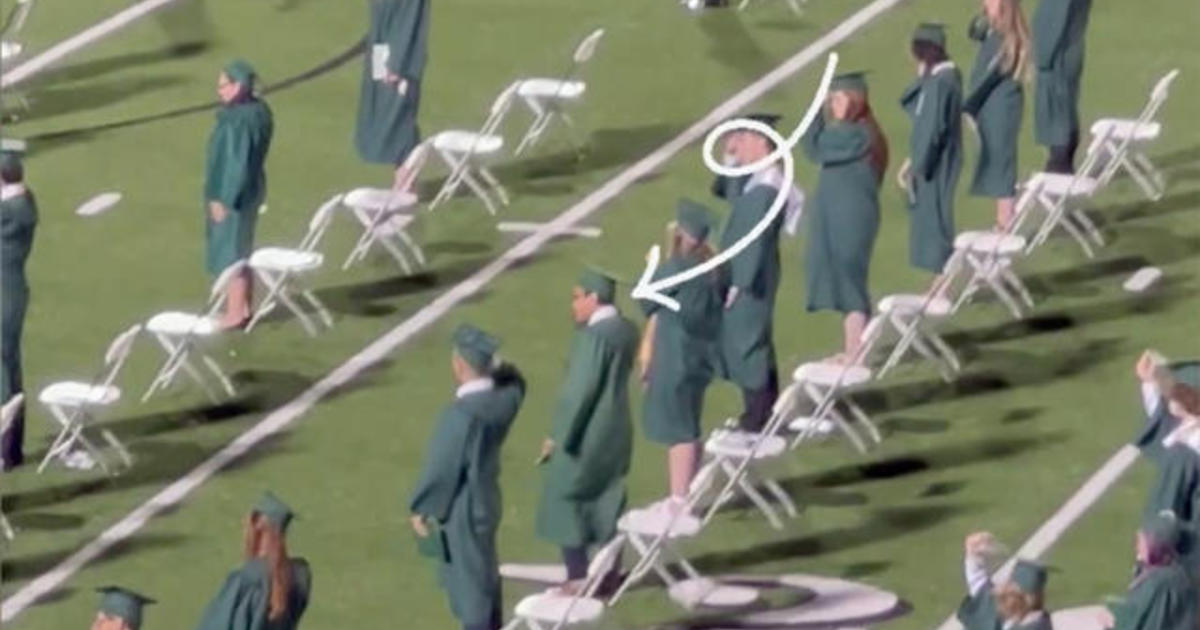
[[18, 223]]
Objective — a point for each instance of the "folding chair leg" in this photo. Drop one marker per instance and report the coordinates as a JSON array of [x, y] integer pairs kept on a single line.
[[319, 307], [1154, 184], [796, 8], [922, 347], [118, 446], [480, 192], [301, 316], [528, 140], [944, 349], [219, 373], [396, 254], [267, 304], [848, 431], [413, 247], [907, 332], [1014, 281], [782, 497], [7, 528], [862, 417], [64, 434], [746, 483], [495, 184]]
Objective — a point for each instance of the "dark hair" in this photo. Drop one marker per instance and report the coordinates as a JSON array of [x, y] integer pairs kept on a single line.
[[12, 172], [928, 53], [1186, 396]]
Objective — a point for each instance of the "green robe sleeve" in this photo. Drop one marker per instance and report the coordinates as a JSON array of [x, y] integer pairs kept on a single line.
[[930, 128], [978, 611], [1049, 30], [229, 163], [585, 383], [240, 605], [831, 145], [445, 463], [978, 96], [1145, 608], [748, 211], [978, 29], [408, 38]]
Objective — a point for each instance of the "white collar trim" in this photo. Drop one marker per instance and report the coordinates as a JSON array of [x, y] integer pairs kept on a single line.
[[602, 312], [11, 191], [474, 386], [945, 65]]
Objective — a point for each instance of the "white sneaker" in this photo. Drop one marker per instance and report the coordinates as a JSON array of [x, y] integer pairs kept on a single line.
[[79, 460]]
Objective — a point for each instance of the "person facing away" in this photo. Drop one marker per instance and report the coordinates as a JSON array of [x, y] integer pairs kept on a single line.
[[1017, 604], [1177, 485], [235, 183], [456, 505], [271, 590], [1162, 595], [1157, 378], [680, 349], [395, 56], [934, 103], [752, 277], [18, 224], [119, 609], [591, 439], [995, 101], [1059, 27], [847, 145]]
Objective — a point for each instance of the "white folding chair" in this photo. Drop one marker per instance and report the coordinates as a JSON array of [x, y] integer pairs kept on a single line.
[[1122, 142], [385, 215], [464, 153], [75, 405], [828, 384], [554, 609], [8, 413], [14, 24], [652, 531], [546, 97], [912, 317], [180, 335], [280, 270], [1061, 196], [736, 455], [797, 6], [989, 258]]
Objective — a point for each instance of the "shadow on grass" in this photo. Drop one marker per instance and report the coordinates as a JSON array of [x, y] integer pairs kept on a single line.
[[58, 100], [26, 567], [732, 45], [88, 70], [373, 298]]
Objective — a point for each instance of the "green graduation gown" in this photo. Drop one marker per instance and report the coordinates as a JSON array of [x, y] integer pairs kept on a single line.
[[235, 175], [746, 344], [459, 487], [683, 355], [1160, 423], [978, 612], [1177, 487], [18, 222], [844, 217], [584, 491], [934, 103], [1058, 41], [243, 601], [1162, 598], [996, 101], [396, 42]]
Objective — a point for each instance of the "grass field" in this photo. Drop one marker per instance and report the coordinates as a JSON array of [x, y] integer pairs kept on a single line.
[[1042, 403]]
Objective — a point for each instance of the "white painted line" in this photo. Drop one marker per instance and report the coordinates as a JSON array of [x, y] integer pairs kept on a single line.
[[380, 348], [520, 226], [1066, 516], [89, 36]]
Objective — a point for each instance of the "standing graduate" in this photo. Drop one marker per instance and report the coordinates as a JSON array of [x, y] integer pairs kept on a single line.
[[1177, 487], [1163, 593], [235, 183], [1157, 378], [995, 100], [1059, 27], [271, 590], [591, 441], [456, 505], [18, 223], [752, 276], [1017, 604], [120, 609], [852, 153], [682, 349], [396, 45], [934, 103]]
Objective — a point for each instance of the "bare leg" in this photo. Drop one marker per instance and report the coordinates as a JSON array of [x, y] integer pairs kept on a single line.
[[237, 305], [401, 183], [852, 328], [1005, 207], [681, 464]]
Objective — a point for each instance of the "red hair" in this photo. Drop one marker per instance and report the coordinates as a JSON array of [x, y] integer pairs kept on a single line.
[[859, 111], [262, 540]]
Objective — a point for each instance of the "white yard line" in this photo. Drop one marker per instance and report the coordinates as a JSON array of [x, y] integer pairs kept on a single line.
[[90, 36], [1066, 516], [286, 415]]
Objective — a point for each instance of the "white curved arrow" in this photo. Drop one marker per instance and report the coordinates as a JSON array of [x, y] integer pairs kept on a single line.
[[647, 290]]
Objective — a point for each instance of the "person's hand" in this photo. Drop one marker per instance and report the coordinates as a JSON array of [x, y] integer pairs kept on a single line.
[[217, 211], [1106, 619], [977, 542], [547, 450], [1145, 367], [731, 297], [902, 175], [920, 68], [391, 78], [418, 525]]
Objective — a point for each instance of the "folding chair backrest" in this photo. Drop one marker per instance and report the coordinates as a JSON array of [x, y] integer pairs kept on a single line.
[[870, 335], [1158, 95], [414, 163], [499, 109], [319, 224], [602, 564], [8, 412], [587, 48], [16, 19], [216, 297], [1030, 190], [118, 351]]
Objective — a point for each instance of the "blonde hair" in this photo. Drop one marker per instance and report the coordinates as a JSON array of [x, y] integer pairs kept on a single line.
[[262, 540], [703, 249], [1014, 52], [1013, 603]]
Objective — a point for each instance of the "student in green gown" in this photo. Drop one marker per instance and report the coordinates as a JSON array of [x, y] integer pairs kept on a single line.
[[1163, 593], [1059, 27], [591, 441], [120, 609], [995, 100], [682, 349], [396, 45], [1017, 604], [1157, 378], [18, 223], [456, 505], [235, 184], [1177, 486], [271, 590], [934, 103], [752, 277], [852, 153]]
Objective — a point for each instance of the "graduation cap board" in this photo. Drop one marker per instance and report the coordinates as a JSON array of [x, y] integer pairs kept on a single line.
[[124, 604], [13, 145], [522, 227], [99, 204], [1143, 279]]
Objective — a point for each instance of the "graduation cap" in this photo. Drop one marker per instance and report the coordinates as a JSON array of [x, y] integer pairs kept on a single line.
[[693, 218], [1029, 576], [240, 71], [932, 32], [476, 347], [277, 513], [849, 81], [126, 604], [599, 282]]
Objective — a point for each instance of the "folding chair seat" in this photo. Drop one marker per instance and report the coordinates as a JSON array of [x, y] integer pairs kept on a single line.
[[989, 258], [8, 413], [554, 609], [1059, 196], [465, 154], [546, 98], [913, 318], [280, 270], [1123, 142], [384, 216], [180, 334], [75, 405]]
